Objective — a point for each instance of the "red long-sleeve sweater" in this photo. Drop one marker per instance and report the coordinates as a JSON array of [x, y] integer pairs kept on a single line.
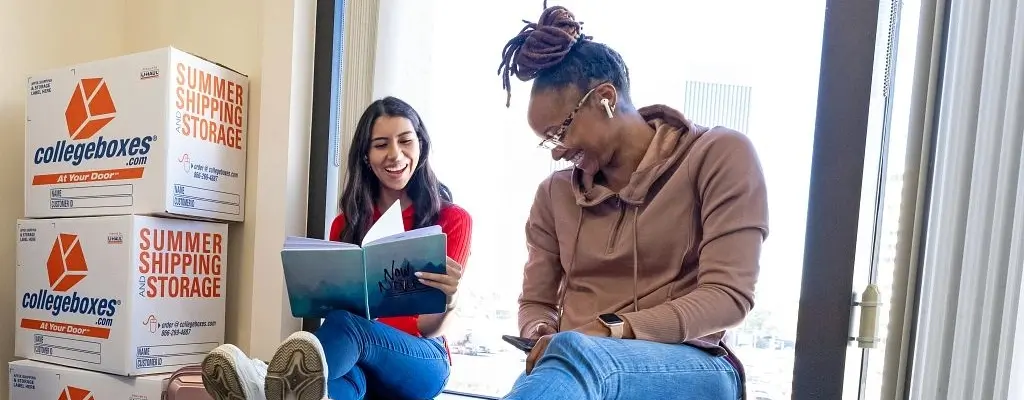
[[457, 225]]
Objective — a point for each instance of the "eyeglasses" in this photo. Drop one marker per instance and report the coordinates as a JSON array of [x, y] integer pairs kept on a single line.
[[555, 138]]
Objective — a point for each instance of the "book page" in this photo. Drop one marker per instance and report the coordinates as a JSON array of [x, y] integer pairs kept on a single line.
[[413, 234], [390, 223], [301, 243]]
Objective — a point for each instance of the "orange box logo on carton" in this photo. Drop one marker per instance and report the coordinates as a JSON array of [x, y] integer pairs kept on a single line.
[[73, 393], [65, 268], [66, 265], [90, 109]]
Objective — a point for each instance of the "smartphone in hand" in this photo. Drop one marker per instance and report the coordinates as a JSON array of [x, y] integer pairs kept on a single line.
[[524, 344]]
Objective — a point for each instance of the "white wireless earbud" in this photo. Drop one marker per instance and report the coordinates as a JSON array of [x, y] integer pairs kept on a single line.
[[607, 108]]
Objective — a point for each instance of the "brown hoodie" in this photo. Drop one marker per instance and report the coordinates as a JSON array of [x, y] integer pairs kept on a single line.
[[674, 253]]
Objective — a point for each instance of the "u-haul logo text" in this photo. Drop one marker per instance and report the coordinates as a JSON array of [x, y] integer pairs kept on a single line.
[[74, 393], [180, 264], [65, 268], [89, 110]]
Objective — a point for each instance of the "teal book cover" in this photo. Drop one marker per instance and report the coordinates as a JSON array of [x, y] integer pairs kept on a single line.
[[393, 290], [375, 280]]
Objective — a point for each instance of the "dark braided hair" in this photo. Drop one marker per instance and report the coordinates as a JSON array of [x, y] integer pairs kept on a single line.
[[555, 53]]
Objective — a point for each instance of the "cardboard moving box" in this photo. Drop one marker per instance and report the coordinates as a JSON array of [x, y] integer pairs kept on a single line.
[[161, 132], [127, 295], [31, 380]]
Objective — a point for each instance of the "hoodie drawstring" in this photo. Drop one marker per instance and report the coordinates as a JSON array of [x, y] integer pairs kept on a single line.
[[636, 258], [568, 274], [572, 264]]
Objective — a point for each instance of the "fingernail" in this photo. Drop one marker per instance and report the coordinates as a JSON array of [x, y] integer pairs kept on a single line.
[[418, 274]]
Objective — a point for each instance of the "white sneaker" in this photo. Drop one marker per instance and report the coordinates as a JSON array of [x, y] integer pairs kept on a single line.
[[298, 370], [228, 374]]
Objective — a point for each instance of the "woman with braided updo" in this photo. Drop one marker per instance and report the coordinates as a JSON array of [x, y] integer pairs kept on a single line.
[[643, 253]]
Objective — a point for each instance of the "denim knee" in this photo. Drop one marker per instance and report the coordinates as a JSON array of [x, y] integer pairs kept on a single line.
[[569, 344], [340, 317], [339, 324], [350, 386]]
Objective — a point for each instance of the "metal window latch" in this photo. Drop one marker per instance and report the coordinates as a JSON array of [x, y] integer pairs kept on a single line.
[[869, 303]]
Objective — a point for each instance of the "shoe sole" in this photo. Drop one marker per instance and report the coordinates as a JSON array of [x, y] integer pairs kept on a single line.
[[297, 371], [220, 378]]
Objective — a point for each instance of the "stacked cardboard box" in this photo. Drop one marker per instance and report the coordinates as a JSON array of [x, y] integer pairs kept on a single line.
[[42, 381], [133, 168]]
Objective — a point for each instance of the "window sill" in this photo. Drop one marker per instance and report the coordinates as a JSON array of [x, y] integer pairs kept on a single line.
[[461, 396]]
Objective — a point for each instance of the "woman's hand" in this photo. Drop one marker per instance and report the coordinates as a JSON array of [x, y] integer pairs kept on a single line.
[[447, 283], [541, 329], [537, 352], [544, 332]]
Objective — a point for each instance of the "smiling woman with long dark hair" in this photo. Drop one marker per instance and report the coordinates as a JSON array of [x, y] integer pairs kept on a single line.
[[365, 191], [350, 357]]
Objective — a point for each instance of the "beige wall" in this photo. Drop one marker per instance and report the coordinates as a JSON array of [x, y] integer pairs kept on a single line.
[[264, 41], [269, 40]]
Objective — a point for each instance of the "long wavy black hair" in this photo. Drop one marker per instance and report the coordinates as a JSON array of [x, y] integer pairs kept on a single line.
[[362, 188]]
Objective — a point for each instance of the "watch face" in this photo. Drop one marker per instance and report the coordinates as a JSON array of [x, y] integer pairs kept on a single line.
[[610, 319]]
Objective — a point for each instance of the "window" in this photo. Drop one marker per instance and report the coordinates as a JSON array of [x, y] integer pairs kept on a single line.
[[883, 184], [746, 64], [488, 155]]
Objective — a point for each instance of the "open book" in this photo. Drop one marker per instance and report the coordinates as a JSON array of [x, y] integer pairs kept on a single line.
[[373, 280]]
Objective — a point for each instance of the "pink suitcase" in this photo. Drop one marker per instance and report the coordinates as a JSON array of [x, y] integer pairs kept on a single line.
[[186, 384]]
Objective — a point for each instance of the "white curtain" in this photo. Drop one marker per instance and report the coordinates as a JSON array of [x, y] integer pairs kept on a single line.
[[972, 257]]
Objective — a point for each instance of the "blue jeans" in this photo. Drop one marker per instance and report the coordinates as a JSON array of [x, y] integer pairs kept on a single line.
[[577, 366], [366, 356]]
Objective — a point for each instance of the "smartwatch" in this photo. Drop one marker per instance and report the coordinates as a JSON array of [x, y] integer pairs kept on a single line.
[[614, 324]]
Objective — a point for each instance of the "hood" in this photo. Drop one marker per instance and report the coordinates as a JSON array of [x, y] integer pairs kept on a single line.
[[673, 136]]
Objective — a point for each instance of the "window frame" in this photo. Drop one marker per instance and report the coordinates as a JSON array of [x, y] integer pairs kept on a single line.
[[837, 165], [834, 199], [325, 135]]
